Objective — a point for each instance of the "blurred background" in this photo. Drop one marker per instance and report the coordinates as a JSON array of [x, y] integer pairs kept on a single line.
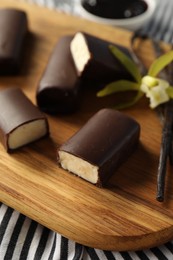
[[159, 27]]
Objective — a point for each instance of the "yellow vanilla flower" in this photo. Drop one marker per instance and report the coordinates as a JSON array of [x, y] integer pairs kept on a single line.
[[155, 90]]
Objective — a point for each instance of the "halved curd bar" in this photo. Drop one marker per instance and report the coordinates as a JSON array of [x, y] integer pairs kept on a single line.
[[21, 122], [100, 146]]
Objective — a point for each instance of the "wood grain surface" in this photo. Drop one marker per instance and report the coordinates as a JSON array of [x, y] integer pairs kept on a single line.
[[122, 216]]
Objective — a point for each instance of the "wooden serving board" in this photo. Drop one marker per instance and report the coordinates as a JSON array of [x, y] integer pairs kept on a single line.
[[122, 216]]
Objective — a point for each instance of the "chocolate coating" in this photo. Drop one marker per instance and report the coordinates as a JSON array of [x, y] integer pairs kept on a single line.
[[105, 141], [101, 67], [58, 89], [17, 110], [13, 30]]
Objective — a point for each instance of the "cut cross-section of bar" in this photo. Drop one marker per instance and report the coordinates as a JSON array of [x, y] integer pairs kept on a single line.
[[27, 133], [79, 167], [21, 122]]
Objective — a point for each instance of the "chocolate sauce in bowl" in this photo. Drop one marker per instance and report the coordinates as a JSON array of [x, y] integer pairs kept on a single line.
[[115, 9]]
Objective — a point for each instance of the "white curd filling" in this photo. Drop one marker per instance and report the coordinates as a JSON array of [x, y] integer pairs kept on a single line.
[[80, 51], [79, 167], [27, 133]]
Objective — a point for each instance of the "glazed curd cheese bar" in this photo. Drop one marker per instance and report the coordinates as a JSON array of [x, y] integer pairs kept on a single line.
[[94, 61], [13, 30], [100, 146], [21, 122], [58, 89]]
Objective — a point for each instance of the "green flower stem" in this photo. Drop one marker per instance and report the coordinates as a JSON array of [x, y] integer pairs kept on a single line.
[[118, 86], [130, 66]]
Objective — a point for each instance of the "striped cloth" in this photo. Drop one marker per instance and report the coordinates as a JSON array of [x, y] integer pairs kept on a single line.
[[160, 27], [24, 239]]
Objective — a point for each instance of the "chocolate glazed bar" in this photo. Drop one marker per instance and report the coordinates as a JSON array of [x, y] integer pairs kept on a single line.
[[20, 121], [94, 61], [58, 89], [13, 30], [100, 146]]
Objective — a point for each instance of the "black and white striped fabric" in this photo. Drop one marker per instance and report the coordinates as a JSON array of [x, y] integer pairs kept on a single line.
[[160, 27], [24, 239]]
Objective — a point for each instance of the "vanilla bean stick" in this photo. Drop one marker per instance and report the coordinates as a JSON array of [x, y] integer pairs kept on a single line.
[[167, 133], [165, 150], [170, 73]]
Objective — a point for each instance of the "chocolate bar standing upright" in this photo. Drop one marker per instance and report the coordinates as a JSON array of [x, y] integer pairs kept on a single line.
[[100, 146], [94, 61], [21, 122], [58, 89], [13, 30]]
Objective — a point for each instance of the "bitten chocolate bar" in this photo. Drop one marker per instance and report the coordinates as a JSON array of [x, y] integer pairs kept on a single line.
[[100, 146], [58, 90], [94, 61], [20, 121], [13, 29]]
